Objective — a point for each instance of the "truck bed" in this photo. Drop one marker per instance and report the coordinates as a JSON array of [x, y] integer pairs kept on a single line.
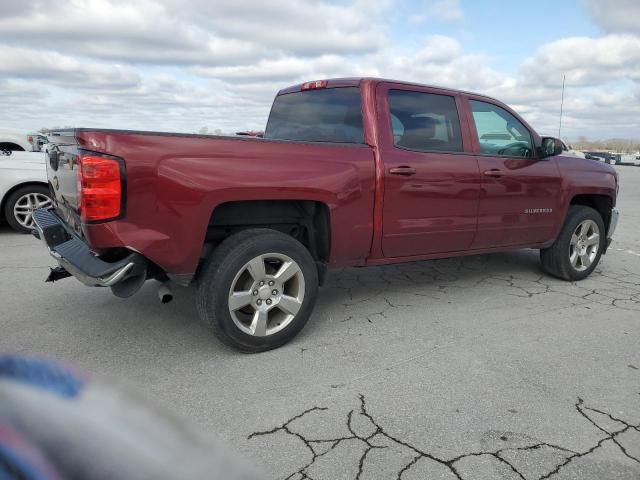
[[174, 182]]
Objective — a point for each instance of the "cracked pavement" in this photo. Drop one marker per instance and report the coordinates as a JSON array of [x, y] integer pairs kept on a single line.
[[366, 435], [468, 368]]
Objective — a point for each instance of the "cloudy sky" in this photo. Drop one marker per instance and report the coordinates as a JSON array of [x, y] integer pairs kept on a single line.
[[179, 65]]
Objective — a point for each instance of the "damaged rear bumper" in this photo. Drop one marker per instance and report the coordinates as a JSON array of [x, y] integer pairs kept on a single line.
[[74, 256]]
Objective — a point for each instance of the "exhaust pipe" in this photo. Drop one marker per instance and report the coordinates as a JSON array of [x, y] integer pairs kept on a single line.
[[164, 293]]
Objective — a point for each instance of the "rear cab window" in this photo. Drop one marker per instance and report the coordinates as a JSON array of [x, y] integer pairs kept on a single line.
[[322, 115], [425, 122]]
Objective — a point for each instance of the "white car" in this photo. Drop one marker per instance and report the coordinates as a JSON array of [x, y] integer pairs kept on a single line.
[[20, 140], [627, 158], [569, 150], [23, 188]]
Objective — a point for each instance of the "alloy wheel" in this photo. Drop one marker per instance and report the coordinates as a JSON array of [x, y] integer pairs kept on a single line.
[[26, 204], [266, 294], [584, 245]]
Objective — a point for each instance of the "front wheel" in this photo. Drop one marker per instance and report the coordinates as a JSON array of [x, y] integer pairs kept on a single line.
[[577, 250], [257, 290]]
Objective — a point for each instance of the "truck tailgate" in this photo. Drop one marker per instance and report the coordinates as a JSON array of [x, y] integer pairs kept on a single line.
[[62, 162], [62, 166], [87, 186]]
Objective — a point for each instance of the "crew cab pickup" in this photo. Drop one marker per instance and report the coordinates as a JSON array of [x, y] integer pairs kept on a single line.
[[350, 172]]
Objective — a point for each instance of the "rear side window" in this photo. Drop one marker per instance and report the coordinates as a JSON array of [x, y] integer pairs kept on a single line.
[[425, 121], [323, 115]]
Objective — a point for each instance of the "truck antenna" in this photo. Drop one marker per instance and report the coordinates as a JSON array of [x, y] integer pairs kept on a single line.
[[561, 105]]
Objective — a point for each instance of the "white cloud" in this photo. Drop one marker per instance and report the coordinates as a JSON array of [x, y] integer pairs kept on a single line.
[[601, 75], [144, 31], [284, 69], [615, 16], [171, 32], [585, 61], [438, 10], [304, 28], [173, 65], [64, 70]]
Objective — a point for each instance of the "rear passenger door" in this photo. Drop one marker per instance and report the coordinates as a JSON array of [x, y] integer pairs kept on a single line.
[[520, 192], [431, 177]]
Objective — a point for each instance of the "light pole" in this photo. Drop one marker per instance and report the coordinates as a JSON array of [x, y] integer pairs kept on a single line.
[[561, 106]]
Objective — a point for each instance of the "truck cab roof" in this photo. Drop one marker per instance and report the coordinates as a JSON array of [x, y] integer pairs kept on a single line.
[[357, 81]]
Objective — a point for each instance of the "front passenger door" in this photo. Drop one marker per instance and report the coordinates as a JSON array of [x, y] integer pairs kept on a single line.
[[519, 192]]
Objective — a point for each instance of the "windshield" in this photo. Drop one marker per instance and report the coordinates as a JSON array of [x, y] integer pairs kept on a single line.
[[323, 115]]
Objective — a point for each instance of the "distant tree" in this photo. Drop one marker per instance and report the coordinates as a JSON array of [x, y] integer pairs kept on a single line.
[[204, 130], [582, 142], [621, 145]]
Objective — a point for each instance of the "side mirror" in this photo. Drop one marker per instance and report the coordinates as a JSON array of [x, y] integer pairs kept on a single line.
[[550, 147]]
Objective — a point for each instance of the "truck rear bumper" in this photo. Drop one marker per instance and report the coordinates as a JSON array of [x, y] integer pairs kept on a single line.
[[613, 223], [74, 255]]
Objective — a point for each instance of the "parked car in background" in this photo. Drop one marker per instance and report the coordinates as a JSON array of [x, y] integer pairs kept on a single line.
[[615, 158], [600, 156], [16, 141], [350, 172], [37, 141], [623, 158], [629, 159], [251, 133], [23, 188], [567, 149]]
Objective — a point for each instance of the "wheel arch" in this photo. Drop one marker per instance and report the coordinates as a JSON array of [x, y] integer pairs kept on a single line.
[[599, 202], [308, 221], [11, 145]]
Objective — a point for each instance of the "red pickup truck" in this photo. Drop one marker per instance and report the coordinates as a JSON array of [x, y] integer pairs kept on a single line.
[[350, 172]]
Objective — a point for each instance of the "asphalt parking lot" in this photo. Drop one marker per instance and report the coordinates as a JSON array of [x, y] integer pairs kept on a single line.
[[473, 368]]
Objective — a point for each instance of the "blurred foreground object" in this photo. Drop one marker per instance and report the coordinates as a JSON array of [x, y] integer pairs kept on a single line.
[[58, 423]]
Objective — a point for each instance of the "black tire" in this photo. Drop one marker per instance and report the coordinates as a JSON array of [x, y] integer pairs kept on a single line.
[[14, 197], [555, 259], [218, 273]]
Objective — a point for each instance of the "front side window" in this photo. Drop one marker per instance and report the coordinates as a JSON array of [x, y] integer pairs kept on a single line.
[[323, 115], [499, 132], [425, 121]]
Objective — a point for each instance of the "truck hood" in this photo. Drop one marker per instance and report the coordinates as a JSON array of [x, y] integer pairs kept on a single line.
[[589, 176], [578, 163]]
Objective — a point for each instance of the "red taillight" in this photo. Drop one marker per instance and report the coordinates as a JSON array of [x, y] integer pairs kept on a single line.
[[314, 85], [99, 188]]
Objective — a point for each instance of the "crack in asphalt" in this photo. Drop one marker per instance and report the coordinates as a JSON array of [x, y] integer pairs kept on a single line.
[[440, 279], [371, 442]]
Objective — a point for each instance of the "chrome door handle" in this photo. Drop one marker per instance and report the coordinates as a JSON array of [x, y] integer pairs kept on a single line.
[[403, 170], [494, 172]]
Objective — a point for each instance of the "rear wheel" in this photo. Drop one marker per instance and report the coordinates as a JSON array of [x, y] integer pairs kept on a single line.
[[577, 250], [257, 290], [21, 204]]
